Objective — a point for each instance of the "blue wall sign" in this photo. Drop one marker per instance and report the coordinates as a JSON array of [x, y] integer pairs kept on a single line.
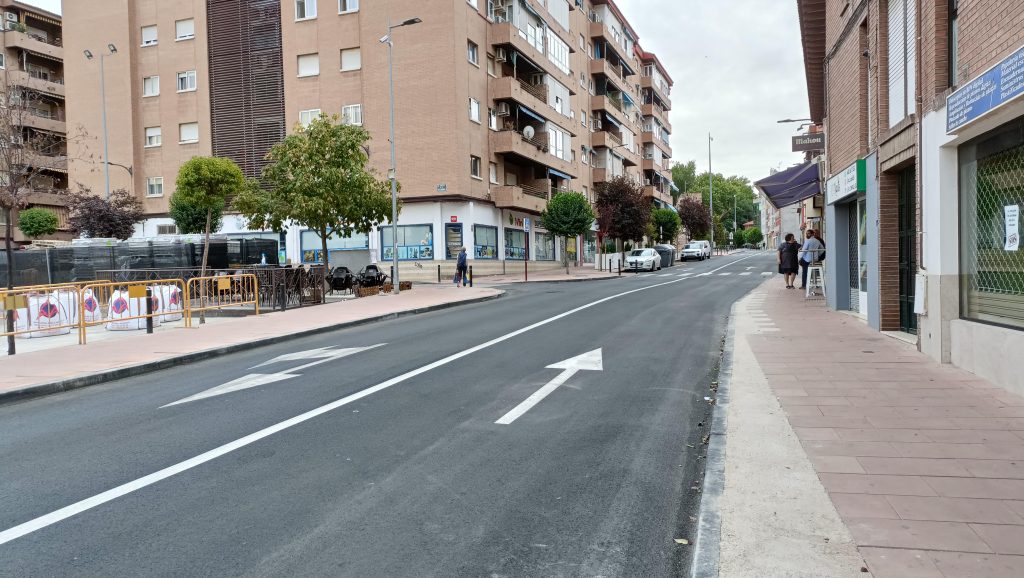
[[995, 87]]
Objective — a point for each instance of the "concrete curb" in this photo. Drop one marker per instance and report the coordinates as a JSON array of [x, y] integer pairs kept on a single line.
[[69, 384], [709, 524]]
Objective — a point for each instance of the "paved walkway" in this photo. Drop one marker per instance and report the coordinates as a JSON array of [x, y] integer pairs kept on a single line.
[[924, 463], [137, 349]]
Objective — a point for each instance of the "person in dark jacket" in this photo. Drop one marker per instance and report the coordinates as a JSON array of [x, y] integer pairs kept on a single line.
[[788, 259], [461, 267]]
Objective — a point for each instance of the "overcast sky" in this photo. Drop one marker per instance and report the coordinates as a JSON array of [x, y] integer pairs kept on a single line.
[[737, 68]]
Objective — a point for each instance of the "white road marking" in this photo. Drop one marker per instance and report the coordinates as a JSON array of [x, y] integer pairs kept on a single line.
[[590, 361], [665, 275], [745, 273], [257, 379], [749, 268], [766, 274], [726, 274], [134, 485]]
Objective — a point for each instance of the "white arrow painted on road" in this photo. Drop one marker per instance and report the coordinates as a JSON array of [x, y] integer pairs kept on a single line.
[[323, 354], [590, 361]]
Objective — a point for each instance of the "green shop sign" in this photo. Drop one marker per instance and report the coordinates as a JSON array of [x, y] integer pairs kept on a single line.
[[852, 179]]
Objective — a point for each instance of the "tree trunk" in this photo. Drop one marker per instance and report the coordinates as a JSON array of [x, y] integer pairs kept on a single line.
[[9, 250], [206, 254], [565, 255], [326, 259]]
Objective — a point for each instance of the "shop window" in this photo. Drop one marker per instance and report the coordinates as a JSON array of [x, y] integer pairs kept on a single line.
[[485, 242], [515, 244], [544, 246], [991, 195], [415, 242], [312, 247]]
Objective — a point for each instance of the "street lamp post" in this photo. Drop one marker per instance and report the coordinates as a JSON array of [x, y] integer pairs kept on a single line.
[[711, 193], [103, 106], [392, 174]]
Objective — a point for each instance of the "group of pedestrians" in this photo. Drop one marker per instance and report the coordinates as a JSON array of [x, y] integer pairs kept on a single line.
[[796, 258]]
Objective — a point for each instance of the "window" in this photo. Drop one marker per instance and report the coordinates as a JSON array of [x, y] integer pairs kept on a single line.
[[492, 66], [492, 119], [952, 40], [187, 81], [188, 132], [185, 29], [544, 246], [151, 86], [474, 110], [583, 118], [583, 43], [309, 64], [474, 167], [346, 6], [414, 242], [351, 59], [902, 59], [154, 186], [149, 35], [308, 116], [494, 173], [485, 242], [3, 61], [352, 114], [166, 229], [583, 155], [473, 52], [305, 9], [153, 136], [558, 52], [515, 244]]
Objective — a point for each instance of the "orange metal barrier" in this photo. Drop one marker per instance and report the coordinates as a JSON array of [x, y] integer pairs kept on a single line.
[[122, 306], [221, 292], [40, 310]]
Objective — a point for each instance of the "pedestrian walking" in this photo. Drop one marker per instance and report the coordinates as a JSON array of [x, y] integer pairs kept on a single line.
[[461, 268], [788, 257], [812, 250]]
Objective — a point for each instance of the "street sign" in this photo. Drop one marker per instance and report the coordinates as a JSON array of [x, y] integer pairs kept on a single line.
[[990, 90], [526, 225], [809, 142], [322, 355], [454, 219], [590, 361]]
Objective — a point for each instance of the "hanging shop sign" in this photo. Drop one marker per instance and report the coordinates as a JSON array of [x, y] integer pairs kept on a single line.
[[809, 142], [852, 179], [995, 87]]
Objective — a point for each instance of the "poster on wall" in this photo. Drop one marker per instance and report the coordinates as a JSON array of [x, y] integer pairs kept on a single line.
[[1012, 215]]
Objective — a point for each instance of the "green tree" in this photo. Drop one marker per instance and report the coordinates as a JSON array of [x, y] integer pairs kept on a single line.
[[205, 184], [191, 219], [318, 179], [726, 190], [666, 224], [739, 237], [685, 178], [695, 218], [37, 222], [568, 214], [753, 236], [623, 212]]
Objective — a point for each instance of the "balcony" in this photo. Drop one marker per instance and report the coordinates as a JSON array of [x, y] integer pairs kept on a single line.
[[647, 82], [521, 197], [616, 73], [534, 97], [42, 120], [629, 158], [653, 192], [606, 139], [36, 44], [610, 105], [505, 34], [510, 142], [30, 81], [648, 137], [658, 113], [601, 175], [46, 162]]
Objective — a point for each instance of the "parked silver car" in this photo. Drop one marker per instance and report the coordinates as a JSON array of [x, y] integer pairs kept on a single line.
[[647, 259]]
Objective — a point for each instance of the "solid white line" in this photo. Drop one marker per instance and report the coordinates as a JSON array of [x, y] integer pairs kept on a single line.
[[745, 273], [127, 488], [536, 398], [724, 274]]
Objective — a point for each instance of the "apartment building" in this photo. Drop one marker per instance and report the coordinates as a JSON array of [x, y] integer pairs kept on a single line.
[[923, 106], [32, 67], [498, 105]]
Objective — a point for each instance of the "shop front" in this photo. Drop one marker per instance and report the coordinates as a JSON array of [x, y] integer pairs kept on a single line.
[[851, 235]]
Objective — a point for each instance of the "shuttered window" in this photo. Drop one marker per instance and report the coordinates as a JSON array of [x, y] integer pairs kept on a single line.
[[902, 57]]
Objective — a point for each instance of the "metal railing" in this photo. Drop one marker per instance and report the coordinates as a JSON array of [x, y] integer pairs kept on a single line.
[[219, 292], [534, 191], [539, 91]]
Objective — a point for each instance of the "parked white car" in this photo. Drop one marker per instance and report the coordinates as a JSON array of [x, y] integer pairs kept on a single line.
[[698, 250], [647, 259]]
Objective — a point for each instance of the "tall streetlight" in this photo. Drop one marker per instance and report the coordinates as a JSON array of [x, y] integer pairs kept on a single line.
[[386, 39], [711, 193], [103, 101]]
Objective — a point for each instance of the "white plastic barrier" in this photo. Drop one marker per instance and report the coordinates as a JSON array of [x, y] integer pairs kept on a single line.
[[172, 302], [91, 307], [121, 306], [42, 317]]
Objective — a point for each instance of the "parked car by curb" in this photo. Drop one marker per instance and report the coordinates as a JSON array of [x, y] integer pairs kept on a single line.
[[698, 250], [647, 259]]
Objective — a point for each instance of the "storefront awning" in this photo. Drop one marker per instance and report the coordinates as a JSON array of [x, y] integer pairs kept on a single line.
[[672, 186], [791, 185]]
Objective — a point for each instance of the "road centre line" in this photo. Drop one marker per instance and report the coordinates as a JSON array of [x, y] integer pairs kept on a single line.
[[76, 508]]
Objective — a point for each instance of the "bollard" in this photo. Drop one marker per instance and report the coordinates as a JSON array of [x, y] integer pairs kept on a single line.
[[149, 310], [392, 274], [470, 275], [438, 273], [620, 267]]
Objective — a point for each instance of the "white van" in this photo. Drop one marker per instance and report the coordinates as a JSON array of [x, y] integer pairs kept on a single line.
[[698, 250]]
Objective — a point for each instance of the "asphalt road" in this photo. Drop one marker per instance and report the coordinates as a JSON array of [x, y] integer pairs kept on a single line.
[[389, 462]]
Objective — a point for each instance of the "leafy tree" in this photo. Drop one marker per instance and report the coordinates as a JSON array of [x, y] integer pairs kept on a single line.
[[318, 179], [753, 236], [103, 218], [37, 222], [685, 178], [739, 237], [694, 217], [205, 184], [623, 212], [568, 214], [191, 219], [727, 189], [666, 224]]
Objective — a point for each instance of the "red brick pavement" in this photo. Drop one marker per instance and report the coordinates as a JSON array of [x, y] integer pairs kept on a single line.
[[924, 462]]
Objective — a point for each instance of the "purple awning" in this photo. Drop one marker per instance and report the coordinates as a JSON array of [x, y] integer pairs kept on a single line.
[[791, 185]]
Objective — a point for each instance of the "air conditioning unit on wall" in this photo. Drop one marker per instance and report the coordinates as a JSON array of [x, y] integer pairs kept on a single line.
[[504, 109], [500, 55], [10, 17]]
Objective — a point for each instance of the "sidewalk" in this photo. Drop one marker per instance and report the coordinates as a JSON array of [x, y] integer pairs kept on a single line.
[[58, 369], [922, 463]]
